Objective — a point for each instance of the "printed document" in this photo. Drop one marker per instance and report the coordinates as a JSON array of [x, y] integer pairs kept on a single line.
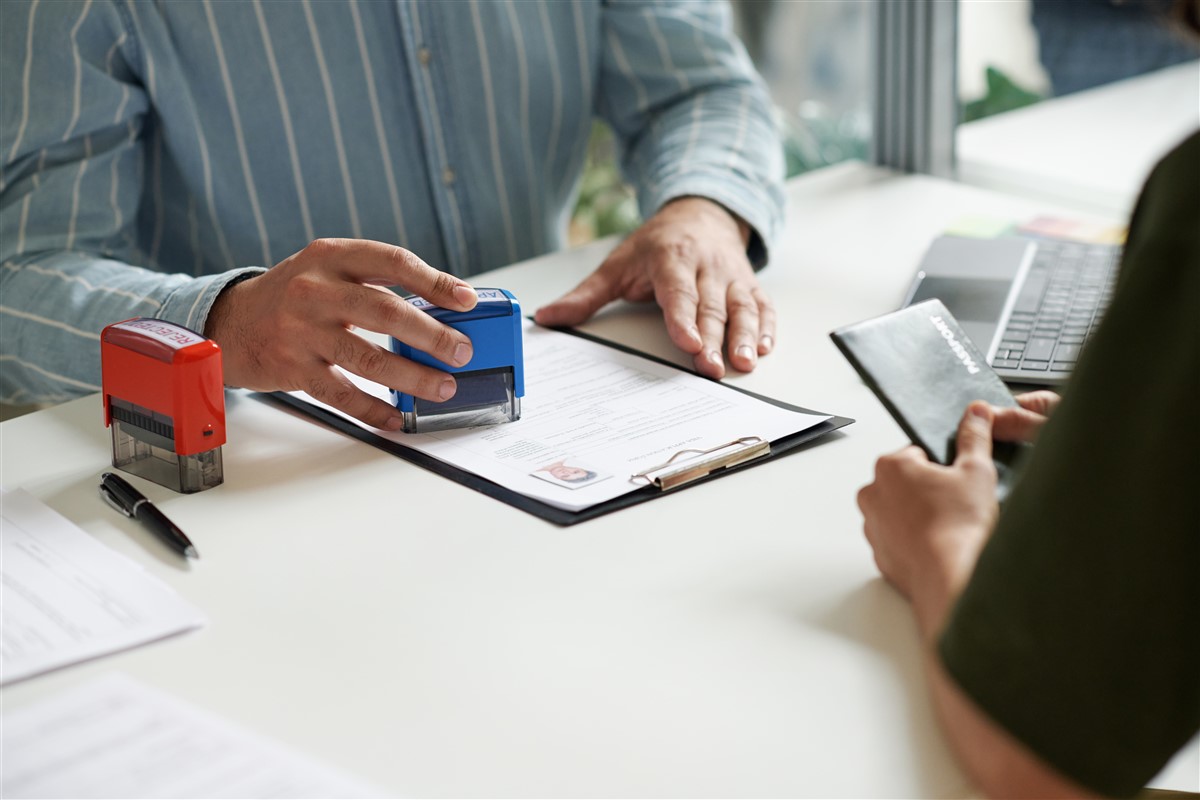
[[66, 598], [114, 737], [593, 417]]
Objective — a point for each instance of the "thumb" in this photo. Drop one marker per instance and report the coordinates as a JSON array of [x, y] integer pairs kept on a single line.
[[577, 305], [975, 433]]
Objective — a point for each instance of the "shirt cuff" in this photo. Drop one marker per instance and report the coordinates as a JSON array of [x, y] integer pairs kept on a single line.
[[190, 304]]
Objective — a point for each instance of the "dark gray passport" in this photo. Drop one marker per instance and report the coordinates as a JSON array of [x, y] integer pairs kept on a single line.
[[926, 371]]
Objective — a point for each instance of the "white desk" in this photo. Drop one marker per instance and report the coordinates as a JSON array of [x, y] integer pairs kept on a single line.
[[730, 640]]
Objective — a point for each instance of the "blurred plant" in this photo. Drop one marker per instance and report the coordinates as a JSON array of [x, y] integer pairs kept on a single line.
[[814, 137], [1003, 94], [606, 205]]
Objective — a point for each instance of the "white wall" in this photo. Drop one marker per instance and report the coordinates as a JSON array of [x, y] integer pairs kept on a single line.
[[997, 33]]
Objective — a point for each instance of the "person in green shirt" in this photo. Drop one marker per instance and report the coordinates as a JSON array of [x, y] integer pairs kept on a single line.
[[1062, 630]]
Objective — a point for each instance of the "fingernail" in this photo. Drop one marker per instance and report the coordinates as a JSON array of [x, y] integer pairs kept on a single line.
[[465, 295], [981, 410], [447, 389], [394, 423], [767, 344], [694, 333], [714, 358], [746, 352], [462, 354]]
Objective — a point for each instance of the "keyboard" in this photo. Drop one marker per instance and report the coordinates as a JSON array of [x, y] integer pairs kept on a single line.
[[1065, 293]]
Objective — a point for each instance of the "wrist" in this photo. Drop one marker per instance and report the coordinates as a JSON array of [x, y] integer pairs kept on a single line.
[[936, 591], [219, 313], [224, 325], [931, 602], [711, 211]]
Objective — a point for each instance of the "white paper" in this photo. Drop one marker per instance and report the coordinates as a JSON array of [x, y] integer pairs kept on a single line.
[[67, 598], [114, 737], [591, 418]]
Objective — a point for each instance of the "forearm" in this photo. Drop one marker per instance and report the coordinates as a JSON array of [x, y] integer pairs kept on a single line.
[[55, 305], [997, 763], [692, 115], [721, 145]]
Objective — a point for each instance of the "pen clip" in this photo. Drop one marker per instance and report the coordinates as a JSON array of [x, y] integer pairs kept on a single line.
[[111, 499], [748, 448]]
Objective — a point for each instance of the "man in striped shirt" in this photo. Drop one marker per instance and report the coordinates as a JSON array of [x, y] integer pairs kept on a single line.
[[158, 158]]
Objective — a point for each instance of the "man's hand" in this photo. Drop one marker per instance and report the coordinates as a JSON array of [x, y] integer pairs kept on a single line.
[[286, 328], [691, 258], [927, 523], [1023, 424]]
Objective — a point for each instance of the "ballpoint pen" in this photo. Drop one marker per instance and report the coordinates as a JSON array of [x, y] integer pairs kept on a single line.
[[132, 503]]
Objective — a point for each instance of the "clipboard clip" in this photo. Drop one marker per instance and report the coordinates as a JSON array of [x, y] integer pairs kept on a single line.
[[666, 476]]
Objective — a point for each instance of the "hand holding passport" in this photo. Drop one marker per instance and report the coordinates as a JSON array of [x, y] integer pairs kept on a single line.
[[926, 371]]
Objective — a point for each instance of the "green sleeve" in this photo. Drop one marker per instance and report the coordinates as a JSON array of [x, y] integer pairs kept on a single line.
[[1079, 631]]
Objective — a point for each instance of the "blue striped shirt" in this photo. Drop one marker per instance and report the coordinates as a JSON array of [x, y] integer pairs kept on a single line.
[[152, 152]]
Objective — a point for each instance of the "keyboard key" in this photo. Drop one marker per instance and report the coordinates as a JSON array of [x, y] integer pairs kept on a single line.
[[1040, 349], [1067, 353], [1014, 336], [1039, 366], [1071, 338], [1031, 294], [1005, 363], [1062, 366], [1012, 347]]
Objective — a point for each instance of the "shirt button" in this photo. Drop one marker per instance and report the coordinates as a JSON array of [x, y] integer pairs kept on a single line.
[[424, 56], [448, 176]]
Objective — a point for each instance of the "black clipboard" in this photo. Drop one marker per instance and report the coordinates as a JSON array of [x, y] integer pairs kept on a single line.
[[538, 508]]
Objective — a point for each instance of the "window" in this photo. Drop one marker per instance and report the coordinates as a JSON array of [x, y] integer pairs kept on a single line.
[[1071, 102], [816, 60]]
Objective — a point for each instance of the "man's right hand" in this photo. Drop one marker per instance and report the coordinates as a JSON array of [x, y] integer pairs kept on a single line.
[[287, 328], [1023, 424]]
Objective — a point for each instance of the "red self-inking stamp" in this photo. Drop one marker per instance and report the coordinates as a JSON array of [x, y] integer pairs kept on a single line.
[[164, 397]]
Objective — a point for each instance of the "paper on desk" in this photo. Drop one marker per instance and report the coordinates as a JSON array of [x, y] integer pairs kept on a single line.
[[1075, 229], [114, 737], [600, 415], [66, 598]]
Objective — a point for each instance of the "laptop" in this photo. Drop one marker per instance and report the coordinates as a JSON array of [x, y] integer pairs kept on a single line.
[[1028, 304]]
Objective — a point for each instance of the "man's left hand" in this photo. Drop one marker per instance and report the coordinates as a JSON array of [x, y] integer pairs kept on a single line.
[[691, 258]]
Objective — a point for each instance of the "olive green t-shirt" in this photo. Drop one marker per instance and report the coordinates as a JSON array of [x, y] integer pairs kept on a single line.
[[1079, 631]]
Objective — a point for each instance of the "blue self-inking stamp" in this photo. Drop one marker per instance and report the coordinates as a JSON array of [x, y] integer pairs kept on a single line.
[[490, 385]]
